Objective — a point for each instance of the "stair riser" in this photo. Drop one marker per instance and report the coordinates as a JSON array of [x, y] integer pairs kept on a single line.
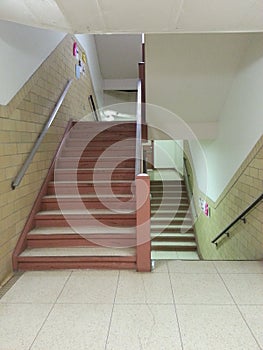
[[167, 186], [173, 248], [91, 176], [171, 230], [99, 191], [108, 136], [161, 183], [88, 205], [165, 201], [173, 239], [172, 215], [99, 143], [109, 164], [172, 222], [55, 264], [177, 194], [62, 222], [79, 241], [98, 153]]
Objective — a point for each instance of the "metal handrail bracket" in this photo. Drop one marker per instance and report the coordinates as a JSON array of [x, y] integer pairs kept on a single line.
[[31, 155]]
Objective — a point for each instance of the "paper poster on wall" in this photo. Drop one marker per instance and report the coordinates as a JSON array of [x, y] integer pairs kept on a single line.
[[204, 207], [77, 71], [75, 50]]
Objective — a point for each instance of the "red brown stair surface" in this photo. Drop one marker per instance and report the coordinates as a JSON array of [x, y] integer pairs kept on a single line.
[[86, 218]]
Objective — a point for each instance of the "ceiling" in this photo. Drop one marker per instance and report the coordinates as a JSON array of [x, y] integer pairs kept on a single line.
[[136, 16]]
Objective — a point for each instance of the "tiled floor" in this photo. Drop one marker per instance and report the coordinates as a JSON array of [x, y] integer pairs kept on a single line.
[[181, 305]]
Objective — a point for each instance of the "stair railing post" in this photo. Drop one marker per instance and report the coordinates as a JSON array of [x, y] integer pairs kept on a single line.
[[143, 223]]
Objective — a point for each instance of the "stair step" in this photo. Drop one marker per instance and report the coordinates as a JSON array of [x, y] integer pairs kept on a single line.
[[89, 202], [83, 230], [78, 251], [176, 194], [102, 136], [173, 246], [84, 187], [77, 258], [97, 174], [169, 200], [76, 142], [167, 221], [82, 236], [168, 213], [169, 206], [91, 152], [86, 162], [167, 184], [173, 237], [84, 218], [172, 228]]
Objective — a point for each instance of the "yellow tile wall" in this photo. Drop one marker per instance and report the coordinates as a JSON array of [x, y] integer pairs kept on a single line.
[[20, 124], [246, 240]]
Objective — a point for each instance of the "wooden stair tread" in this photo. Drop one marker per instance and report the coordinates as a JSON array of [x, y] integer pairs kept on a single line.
[[85, 212], [171, 235], [77, 251], [100, 182], [87, 196], [103, 230], [93, 170]]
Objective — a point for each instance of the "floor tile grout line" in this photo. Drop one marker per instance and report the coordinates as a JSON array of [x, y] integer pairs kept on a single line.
[[240, 312], [175, 310], [50, 311], [111, 315]]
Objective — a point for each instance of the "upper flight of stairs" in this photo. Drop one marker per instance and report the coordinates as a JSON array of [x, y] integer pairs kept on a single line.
[[87, 216], [171, 221]]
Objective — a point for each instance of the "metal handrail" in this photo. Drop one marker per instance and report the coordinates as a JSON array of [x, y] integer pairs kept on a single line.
[[189, 189], [138, 154], [93, 108], [31, 155], [240, 217]]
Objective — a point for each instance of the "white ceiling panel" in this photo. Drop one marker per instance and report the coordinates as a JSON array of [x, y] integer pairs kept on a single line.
[[254, 17], [36, 13], [138, 15], [84, 16], [214, 15]]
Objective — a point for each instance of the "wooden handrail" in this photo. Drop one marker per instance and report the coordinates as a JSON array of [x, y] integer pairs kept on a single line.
[[239, 217]]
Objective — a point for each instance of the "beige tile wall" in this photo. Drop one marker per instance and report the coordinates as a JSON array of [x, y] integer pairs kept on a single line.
[[246, 240], [20, 123]]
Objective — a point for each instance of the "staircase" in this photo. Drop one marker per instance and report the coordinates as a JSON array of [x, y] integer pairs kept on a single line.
[[171, 222], [87, 215]]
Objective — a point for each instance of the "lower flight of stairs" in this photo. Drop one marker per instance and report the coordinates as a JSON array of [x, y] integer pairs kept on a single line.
[[171, 221], [87, 215]]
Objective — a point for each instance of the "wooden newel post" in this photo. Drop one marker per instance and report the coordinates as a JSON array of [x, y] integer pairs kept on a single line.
[[143, 222]]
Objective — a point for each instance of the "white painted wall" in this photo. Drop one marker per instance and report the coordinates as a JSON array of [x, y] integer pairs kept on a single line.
[[89, 45], [240, 123], [23, 49], [191, 74], [168, 154]]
